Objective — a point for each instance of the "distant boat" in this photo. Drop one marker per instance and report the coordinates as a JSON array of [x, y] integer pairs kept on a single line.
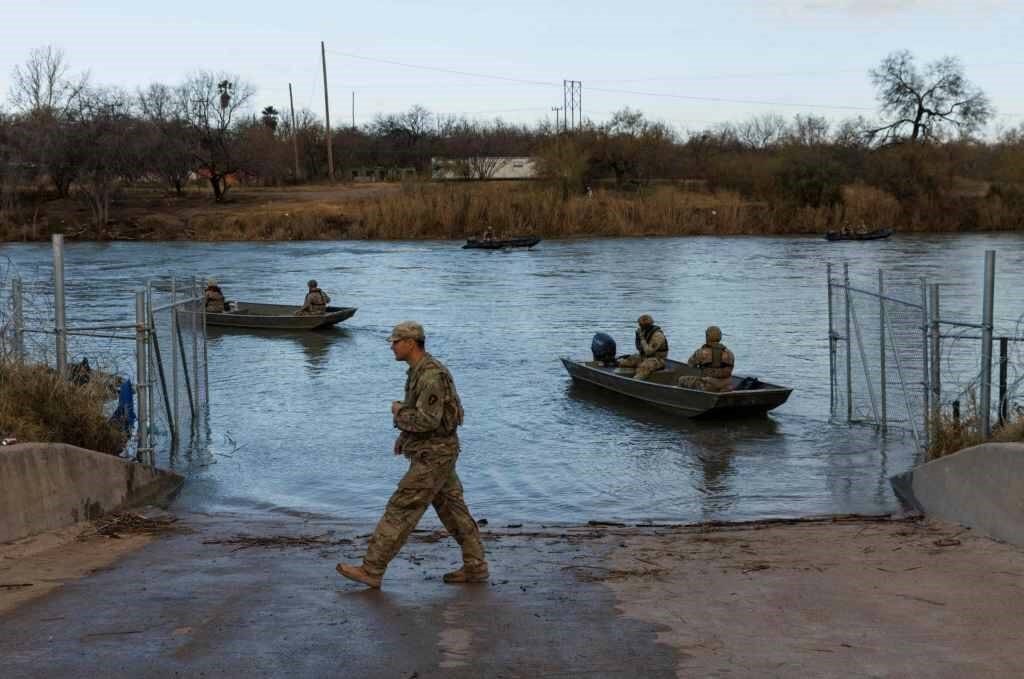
[[276, 317], [499, 243], [877, 234], [660, 390]]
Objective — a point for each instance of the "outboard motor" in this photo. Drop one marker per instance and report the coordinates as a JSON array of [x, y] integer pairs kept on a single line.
[[603, 348]]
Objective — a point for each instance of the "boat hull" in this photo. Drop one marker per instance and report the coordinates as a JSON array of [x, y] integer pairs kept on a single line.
[[257, 316], [661, 391], [500, 244], [871, 235]]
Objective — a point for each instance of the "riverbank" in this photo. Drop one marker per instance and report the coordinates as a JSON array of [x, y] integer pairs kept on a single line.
[[422, 210], [259, 597]]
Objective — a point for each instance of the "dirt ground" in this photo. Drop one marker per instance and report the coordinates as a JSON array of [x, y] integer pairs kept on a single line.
[[237, 596]]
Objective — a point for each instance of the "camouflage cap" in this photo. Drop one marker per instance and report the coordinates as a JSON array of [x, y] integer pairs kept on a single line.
[[713, 334], [645, 319], [211, 281], [407, 330], [312, 283]]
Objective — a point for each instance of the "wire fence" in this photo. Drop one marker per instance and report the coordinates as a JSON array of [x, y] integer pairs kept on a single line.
[[898, 361], [160, 346]]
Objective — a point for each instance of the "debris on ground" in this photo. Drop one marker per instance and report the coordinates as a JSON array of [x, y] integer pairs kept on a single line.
[[116, 524], [279, 541]]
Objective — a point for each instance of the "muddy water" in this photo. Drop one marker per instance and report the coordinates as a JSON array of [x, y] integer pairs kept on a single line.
[[301, 423]]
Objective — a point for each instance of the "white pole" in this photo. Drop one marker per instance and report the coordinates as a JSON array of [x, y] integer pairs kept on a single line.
[[60, 327], [986, 342]]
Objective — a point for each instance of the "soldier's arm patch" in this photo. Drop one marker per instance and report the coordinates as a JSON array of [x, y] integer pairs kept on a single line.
[[432, 400]]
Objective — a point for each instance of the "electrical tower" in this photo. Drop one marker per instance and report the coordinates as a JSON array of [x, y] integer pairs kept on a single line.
[[572, 104]]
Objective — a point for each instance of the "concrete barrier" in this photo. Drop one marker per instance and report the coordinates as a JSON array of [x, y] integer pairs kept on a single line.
[[44, 486], [981, 487]]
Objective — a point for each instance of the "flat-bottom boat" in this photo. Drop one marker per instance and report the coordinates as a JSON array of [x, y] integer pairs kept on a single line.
[[661, 390], [276, 317], [877, 234], [499, 243]]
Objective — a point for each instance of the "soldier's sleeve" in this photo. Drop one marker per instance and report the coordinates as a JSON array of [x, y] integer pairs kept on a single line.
[[426, 414], [327, 299], [694, 359], [305, 303]]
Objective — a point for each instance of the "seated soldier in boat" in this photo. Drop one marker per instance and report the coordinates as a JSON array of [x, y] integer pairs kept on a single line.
[[715, 362], [214, 297], [316, 301], [651, 347], [488, 234]]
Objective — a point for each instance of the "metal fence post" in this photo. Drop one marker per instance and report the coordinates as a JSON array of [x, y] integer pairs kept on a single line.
[[986, 343], [881, 343], [831, 347], [849, 346], [174, 356], [194, 308], [19, 320], [141, 386], [1004, 406], [60, 328], [925, 373], [935, 316]]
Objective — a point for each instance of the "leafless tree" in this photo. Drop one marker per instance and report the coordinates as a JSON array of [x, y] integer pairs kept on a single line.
[[44, 83], [106, 132], [922, 106], [167, 138], [808, 130], [212, 102], [761, 132]]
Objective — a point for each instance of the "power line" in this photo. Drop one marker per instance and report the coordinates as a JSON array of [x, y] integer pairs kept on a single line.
[[446, 70]]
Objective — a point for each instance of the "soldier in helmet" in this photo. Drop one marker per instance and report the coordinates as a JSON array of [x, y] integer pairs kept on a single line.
[[427, 420], [651, 347], [214, 297], [715, 362], [316, 301]]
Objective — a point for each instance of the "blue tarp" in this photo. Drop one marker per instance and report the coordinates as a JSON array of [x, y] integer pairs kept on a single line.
[[124, 415]]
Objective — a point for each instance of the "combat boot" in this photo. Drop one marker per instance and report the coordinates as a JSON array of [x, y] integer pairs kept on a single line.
[[462, 575], [359, 574]]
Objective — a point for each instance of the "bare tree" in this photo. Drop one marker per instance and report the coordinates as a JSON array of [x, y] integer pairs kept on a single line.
[[808, 130], [923, 105], [761, 132], [212, 102], [44, 84], [105, 131], [165, 134]]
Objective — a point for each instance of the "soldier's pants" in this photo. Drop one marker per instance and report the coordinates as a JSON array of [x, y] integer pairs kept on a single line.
[[644, 366], [429, 481]]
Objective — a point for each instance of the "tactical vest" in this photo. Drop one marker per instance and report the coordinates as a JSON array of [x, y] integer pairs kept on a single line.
[[716, 367], [453, 414], [319, 302], [648, 334]]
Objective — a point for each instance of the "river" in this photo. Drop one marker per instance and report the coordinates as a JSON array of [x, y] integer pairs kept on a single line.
[[301, 423]]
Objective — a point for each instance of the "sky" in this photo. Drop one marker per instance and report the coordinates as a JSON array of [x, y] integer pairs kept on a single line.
[[689, 64]]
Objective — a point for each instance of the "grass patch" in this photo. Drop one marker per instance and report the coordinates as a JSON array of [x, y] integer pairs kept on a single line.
[[38, 405]]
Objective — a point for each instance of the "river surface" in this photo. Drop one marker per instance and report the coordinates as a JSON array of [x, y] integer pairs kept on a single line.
[[301, 423]]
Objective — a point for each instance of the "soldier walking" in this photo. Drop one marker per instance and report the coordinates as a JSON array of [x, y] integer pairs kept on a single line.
[[428, 420]]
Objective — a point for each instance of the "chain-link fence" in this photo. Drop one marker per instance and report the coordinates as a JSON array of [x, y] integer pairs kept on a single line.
[[897, 362], [160, 345]]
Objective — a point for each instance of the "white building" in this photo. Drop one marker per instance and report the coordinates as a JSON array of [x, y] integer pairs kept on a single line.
[[484, 167]]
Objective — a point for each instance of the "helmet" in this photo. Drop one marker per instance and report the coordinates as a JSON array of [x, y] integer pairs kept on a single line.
[[211, 282], [646, 319], [603, 348], [713, 334], [312, 283]]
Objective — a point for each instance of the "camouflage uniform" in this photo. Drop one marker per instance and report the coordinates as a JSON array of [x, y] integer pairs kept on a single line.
[[715, 362], [652, 348], [315, 303], [214, 299], [428, 420]]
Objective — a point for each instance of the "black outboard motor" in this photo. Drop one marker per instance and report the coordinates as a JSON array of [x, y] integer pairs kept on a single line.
[[603, 348]]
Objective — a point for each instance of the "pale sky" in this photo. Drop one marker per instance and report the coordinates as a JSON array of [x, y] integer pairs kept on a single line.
[[654, 53]]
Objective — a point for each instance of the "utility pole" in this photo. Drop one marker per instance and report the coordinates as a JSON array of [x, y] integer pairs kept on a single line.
[[565, 101], [295, 132], [353, 109], [327, 114], [556, 109]]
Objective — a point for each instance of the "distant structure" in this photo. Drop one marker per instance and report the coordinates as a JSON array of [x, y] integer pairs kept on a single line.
[[484, 167]]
